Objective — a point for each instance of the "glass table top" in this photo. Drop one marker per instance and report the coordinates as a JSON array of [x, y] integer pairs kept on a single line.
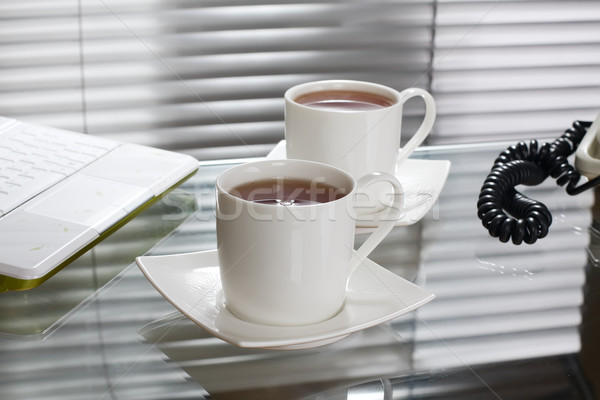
[[508, 322]]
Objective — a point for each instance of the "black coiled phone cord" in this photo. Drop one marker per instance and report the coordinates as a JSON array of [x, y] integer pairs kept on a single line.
[[524, 164]]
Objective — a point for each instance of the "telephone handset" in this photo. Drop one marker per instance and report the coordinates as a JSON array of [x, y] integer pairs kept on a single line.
[[587, 157], [510, 215]]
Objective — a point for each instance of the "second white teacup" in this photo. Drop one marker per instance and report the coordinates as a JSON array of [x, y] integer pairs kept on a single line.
[[353, 125]]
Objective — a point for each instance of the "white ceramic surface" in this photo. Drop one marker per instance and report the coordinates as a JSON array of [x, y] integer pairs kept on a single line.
[[192, 284], [422, 182]]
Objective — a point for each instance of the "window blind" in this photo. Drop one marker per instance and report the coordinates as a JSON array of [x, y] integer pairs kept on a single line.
[[207, 77], [203, 77], [505, 70]]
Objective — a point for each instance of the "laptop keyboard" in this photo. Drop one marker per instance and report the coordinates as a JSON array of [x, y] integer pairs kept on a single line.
[[33, 159]]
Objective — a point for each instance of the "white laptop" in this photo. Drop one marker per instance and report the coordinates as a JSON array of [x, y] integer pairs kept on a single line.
[[60, 191]]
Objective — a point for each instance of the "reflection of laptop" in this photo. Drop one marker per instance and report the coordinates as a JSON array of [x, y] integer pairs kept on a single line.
[[61, 191]]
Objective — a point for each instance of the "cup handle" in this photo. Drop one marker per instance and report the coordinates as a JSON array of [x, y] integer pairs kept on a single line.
[[387, 220], [426, 125]]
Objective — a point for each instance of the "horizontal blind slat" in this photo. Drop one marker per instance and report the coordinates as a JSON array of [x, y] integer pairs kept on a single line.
[[467, 13], [516, 79]]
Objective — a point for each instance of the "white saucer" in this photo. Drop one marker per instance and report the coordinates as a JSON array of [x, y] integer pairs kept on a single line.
[[422, 181], [192, 284]]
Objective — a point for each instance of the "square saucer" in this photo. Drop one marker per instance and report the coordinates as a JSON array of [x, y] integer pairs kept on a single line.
[[422, 181], [191, 282]]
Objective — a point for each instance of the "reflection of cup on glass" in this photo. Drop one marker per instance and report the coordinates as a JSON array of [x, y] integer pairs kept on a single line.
[[232, 373], [353, 125], [285, 237]]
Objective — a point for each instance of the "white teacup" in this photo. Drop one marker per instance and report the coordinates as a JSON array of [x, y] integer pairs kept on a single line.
[[353, 125], [284, 263]]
